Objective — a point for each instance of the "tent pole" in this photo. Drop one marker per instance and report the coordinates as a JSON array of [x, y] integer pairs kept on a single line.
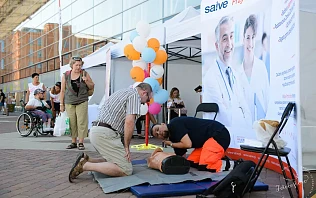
[[164, 84], [147, 116]]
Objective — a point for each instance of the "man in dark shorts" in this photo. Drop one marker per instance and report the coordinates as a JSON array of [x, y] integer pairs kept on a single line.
[[209, 138]]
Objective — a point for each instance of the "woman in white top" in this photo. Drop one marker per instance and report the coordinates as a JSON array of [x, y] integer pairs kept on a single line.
[[55, 98], [35, 84], [253, 73], [177, 103]]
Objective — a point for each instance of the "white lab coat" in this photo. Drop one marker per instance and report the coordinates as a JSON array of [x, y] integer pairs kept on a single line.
[[256, 90], [233, 111]]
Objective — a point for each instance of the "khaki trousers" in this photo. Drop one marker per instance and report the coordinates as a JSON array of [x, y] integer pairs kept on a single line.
[[109, 145], [78, 119]]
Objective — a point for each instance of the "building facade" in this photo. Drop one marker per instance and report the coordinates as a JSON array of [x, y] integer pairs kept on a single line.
[[87, 26]]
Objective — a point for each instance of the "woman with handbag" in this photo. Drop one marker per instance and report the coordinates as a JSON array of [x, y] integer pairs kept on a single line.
[[175, 103], [76, 87]]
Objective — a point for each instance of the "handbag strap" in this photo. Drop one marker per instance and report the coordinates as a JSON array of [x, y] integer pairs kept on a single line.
[[85, 75]]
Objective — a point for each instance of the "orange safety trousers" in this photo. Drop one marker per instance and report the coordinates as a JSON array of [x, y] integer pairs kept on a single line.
[[210, 154]]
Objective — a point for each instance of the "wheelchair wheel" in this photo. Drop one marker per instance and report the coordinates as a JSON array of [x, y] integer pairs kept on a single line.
[[24, 124], [39, 128]]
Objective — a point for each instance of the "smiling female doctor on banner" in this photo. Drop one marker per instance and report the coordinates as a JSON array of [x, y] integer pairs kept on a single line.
[[253, 73]]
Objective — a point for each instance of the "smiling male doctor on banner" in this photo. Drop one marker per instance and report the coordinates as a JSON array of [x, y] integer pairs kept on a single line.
[[220, 84]]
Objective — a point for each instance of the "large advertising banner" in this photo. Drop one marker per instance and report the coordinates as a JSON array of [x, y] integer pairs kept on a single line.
[[250, 68]]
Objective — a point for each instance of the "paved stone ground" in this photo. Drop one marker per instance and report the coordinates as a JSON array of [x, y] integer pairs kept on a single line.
[[44, 173], [7, 123]]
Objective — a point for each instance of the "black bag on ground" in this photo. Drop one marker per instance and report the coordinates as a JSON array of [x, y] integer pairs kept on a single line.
[[234, 183]]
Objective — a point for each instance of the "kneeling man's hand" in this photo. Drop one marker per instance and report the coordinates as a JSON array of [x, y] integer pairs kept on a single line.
[[128, 154], [168, 143]]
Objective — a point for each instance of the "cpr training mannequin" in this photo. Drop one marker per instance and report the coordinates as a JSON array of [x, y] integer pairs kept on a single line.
[[168, 163]]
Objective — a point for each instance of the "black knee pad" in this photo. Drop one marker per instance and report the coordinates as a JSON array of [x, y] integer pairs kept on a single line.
[[194, 165], [203, 168]]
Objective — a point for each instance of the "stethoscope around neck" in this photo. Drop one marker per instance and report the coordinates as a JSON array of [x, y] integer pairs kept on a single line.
[[224, 81]]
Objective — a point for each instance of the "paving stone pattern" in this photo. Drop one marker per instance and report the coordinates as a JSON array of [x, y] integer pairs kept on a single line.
[[39, 174]]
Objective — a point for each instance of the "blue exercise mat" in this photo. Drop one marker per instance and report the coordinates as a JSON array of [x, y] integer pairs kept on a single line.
[[259, 186], [167, 190], [136, 162], [179, 189]]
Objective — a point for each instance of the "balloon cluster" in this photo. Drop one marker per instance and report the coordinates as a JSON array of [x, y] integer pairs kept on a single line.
[[144, 52]]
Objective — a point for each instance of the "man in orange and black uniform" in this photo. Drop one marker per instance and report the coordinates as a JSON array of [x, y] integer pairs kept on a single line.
[[209, 138]]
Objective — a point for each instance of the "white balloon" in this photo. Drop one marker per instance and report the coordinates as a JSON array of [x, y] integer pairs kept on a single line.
[[156, 72], [153, 64], [143, 28], [143, 109], [139, 43], [140, 63], [135, 84]]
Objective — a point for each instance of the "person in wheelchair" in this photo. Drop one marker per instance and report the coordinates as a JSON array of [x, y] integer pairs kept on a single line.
[[39, 107]]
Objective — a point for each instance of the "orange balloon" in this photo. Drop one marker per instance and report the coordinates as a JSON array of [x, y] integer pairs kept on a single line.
[[137, 74], [161, 57], [154, 44], [151, 101], [160, 80], [131, 53]]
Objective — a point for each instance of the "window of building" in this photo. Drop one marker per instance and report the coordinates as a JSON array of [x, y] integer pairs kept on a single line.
[[142, 11], [65, 33], [39, 54], [128, 4], [30, 63], [115, 5], [172, 7], [39, 66], [66, 44], [31, 51], [2, 63], [2, 45], [39, 42]]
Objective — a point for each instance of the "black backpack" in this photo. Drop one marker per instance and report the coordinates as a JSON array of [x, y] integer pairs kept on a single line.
[[234, 183]]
